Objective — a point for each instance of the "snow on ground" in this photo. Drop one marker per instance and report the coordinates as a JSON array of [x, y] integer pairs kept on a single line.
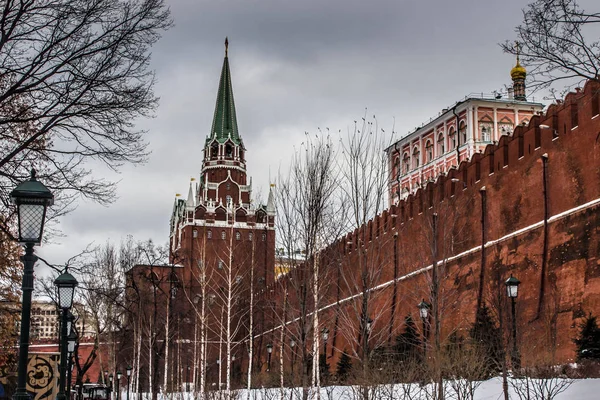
[[580, 389]]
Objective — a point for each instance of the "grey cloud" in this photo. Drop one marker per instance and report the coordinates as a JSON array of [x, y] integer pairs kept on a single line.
[[296, 66]]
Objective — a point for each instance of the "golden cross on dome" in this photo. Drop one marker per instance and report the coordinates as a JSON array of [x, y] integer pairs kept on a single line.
[[517, 49]]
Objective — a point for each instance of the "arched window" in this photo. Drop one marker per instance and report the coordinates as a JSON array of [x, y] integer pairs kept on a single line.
[[228, 200], [441, 147], [462, 131], [223, 235], [214, 150], [452, 138], [406, 162], [238, 236], [397, 166], [250, 236], [415, 157], [429, 151], [264, 237], [228, 151], [260, 217], [209, 234]]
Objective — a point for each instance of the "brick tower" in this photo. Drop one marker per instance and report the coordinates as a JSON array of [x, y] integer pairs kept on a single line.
[[222, 245], [221, 201]]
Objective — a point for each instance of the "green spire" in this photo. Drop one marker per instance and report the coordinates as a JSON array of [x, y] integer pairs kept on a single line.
[[225, 121]]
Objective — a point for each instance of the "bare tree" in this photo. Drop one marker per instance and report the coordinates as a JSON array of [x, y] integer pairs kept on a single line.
[[229, 277], [75, 78], [465, 364], [557, 42], [542, 381], [364, 178], [306, 223], [10, 292]]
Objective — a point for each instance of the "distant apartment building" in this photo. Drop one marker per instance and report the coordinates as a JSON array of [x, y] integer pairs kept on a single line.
[[456, 134], [45, 317]]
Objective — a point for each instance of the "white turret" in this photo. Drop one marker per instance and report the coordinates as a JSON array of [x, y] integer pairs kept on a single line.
[[271, 201], [190, 204]]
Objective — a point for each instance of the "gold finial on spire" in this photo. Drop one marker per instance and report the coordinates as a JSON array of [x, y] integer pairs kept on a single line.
[[517, 49], [226, 46]]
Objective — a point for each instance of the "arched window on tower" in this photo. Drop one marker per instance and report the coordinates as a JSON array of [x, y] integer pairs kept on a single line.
[[214, 150], [397, 167], [238, 236], [228, 151], [406, 162], [250, 236], [209, 234], [223, 235], [441, 147]]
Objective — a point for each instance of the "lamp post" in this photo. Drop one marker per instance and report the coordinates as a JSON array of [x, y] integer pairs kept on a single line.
[[293, 347], [269, 352], [424, 308], [119, 375], [32, 199], [187, 377], [110, 385], [71, 341], [512, 290], [128, 372], [325, 334], [65, 287]]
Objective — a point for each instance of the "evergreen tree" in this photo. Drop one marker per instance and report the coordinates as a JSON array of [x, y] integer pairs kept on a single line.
[[408, 343], [486, 334], [588, 343], [344, 366]]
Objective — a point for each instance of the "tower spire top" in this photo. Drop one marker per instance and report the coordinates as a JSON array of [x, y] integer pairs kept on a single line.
[[224, 125], [518, 75]]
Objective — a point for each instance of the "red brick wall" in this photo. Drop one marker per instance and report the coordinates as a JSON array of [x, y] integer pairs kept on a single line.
[[512, 174]]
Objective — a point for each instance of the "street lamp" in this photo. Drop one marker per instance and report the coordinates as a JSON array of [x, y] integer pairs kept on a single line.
[[71, 341], [128, 372], [292, 346], [325, 334], [32, 199], [187, 377], [269, 351], [512, 290], [65, 288], [110, 381], [424, 308], [119, 375]]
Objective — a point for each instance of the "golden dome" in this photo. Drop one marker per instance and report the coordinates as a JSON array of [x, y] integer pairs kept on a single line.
[[518, 71]]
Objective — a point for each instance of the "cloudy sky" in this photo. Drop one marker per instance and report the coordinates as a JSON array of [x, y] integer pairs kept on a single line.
[[297, 65]]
